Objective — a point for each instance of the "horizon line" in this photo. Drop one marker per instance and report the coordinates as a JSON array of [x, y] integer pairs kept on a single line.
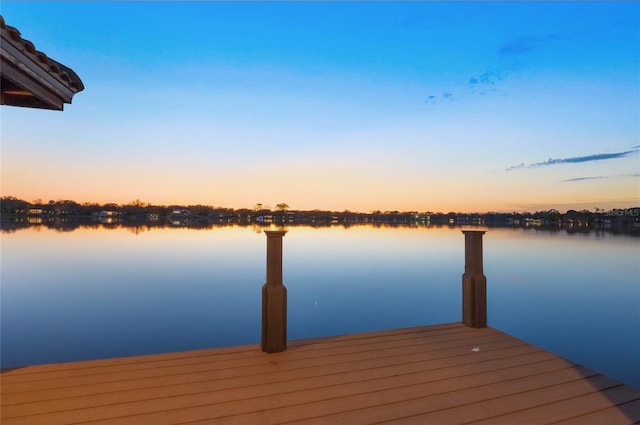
[[143, 204]]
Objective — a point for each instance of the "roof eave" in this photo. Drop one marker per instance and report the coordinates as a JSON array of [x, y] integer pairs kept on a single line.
[[30, 78]]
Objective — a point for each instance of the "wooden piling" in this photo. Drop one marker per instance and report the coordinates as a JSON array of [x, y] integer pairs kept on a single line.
[[274, 297], [474, 282]]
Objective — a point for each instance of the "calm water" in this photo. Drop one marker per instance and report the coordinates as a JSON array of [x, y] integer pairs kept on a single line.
[[95, 293]]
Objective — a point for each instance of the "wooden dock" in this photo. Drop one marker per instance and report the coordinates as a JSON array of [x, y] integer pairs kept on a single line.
[[442, 374]]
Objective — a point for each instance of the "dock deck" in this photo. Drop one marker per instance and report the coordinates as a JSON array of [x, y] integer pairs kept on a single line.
[[442, 374]]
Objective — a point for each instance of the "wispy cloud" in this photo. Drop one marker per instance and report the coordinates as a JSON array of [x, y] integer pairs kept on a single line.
[[488, 77], [576, 159], [439, 98], [510, 55], [578, 179], [522, 45], [508, 52], [588, 158]]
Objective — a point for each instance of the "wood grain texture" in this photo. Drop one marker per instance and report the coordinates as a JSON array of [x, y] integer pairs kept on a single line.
[[445, 374]]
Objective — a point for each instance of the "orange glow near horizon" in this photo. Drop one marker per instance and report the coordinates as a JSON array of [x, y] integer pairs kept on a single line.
[[356, 199], [316, 183]]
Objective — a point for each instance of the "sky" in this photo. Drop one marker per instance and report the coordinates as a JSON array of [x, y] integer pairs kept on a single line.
[[361, 106]]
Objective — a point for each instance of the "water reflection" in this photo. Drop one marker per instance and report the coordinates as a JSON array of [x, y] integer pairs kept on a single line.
[[71, 224]]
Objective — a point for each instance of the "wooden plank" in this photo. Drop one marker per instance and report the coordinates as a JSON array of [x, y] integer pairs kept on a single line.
[[409, 403], [568, 408], [549, 391], [282, 394], [623, 414], [251, 349], [377, 406], [257, 359], [177, 410], [408, 362], [343, 345], [373, 334], [294, 378], [433, 369], [279, 363], [414, 375], [90, 365]]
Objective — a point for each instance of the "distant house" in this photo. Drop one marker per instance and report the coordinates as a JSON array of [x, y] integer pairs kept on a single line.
[[533, 222], [265, 218], [573, 218], [106, 216], [102, 214], [30, 79], [180, 212]]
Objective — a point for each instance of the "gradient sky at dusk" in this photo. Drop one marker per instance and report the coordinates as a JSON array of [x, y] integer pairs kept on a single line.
[[394, 106]]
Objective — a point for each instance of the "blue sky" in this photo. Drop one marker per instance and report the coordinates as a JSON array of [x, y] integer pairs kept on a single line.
[[394, 106]]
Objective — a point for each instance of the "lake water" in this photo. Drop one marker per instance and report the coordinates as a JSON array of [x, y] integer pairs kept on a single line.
[[103, 292]]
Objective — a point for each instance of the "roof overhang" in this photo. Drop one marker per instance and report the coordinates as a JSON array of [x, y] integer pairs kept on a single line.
[[29, 78]]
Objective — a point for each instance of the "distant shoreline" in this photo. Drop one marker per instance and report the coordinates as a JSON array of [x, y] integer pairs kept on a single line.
[[12, 223], [17, 213]]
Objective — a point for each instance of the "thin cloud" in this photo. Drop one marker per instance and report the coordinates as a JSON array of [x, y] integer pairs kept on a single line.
[[576, 159], [579, 159], [579, 179], [439, 98], [522, 45], [517, 167], [508, 53], [488, 77], [510, 61]]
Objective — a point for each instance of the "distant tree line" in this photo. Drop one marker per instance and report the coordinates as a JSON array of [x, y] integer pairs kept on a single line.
[[17, 210]]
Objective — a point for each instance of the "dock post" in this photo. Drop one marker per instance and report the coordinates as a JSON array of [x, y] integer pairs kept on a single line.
[[274, 297], [474, 282]]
